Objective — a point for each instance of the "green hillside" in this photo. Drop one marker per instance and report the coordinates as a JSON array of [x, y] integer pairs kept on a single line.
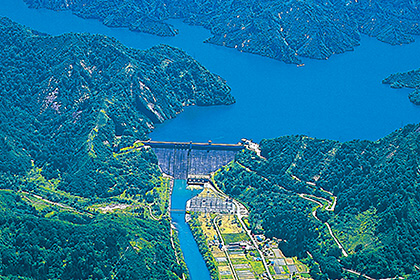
[[283, 30], [69, 101], [290, 191], [410, 79], [79, 198]]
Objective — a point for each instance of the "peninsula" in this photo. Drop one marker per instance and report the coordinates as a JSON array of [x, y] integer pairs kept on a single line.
[[283, 30], [410, 79], [75, 201]]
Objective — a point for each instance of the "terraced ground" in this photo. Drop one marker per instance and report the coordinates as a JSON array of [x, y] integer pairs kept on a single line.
[[223, 233]]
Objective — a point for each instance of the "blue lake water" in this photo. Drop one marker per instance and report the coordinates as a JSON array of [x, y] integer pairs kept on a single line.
[[341, 98], [195, 263]]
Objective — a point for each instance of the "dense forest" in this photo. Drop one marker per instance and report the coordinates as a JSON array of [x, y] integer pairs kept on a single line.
[[376, 186], [283, 30], [69, 101], [410, 79], [38, 245], [80, 199]]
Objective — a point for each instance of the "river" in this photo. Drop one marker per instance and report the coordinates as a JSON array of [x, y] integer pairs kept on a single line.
[[340, 99], [195, 263]]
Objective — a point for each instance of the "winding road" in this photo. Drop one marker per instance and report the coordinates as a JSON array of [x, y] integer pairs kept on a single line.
[[304, 196]]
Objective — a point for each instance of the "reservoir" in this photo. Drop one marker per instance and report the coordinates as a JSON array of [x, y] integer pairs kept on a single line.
[[341, 98]]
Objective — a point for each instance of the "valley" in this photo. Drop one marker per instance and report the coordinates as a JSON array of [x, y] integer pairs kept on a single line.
[[86, 194]]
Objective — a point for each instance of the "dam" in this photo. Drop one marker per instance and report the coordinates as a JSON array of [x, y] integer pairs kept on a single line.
[[181, 159]]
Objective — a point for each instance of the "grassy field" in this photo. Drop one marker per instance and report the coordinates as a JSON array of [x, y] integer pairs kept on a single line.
[[246, 222], [231, 230], [355, 230], [206, 221], [230, 224], [258, 267], [246, 263], [235, 237]]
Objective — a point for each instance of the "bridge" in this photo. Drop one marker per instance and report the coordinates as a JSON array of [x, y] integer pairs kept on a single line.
[[197, 181], [178, 210], [181, 159]]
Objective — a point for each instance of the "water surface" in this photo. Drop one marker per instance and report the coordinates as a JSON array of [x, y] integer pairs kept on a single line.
[[341, 98], [195, 263]]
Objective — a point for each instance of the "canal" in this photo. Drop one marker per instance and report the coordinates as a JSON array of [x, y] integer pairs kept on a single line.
[[195, 263], [341, 98]]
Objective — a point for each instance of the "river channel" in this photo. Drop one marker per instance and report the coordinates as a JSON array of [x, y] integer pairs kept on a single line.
[[195, 263], [341, 99]]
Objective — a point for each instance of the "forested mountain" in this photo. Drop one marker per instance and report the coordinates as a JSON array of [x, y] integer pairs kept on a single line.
[[283, 30], [71, 108], [376, 188], [41, 241], [69, 101], [410, 79]]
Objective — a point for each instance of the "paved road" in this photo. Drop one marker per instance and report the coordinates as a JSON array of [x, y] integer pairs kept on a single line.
[[248, 232], [368, 277], [336, 241], [235, 276], [259, 251]]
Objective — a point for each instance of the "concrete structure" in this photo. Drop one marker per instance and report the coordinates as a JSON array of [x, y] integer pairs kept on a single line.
[[181, 159], [210, 205], [198, 180]]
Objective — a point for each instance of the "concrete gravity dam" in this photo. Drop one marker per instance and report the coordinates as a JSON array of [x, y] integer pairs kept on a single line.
[[180, 159]]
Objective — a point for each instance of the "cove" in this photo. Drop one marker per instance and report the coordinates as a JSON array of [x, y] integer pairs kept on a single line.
[[341, 98], [195, 263]]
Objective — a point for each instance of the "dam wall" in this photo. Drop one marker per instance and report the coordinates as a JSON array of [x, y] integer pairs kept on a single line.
[[182, 159]]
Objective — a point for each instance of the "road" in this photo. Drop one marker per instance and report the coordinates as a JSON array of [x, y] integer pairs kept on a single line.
[[336, 241], [150, 212], [330, 205], [368, 277], [326, 224], [224, 248], [56, 204], [248, 232]]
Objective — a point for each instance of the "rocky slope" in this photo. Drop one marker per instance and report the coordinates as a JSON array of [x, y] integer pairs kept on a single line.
[[283, 30], [410, 79]]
